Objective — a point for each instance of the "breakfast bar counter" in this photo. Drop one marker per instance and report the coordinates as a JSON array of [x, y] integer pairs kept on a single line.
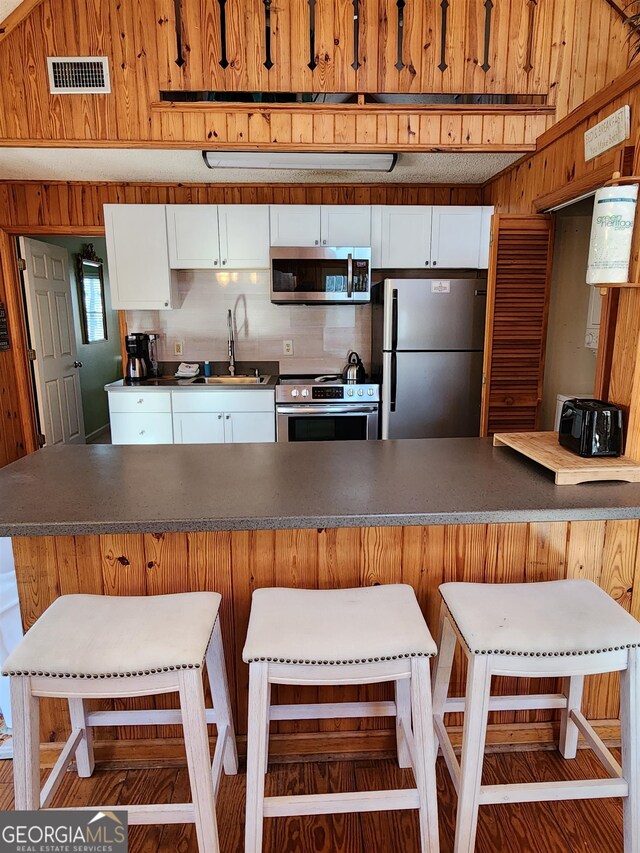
[[97, 489], [232, 518]]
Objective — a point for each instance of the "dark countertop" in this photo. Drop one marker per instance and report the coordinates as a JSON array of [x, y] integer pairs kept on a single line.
[[65, 490], [173, 383]]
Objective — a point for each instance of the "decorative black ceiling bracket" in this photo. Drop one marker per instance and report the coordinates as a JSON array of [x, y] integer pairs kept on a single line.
[[488, 6], [268, 64], [312, 35], [356, 35], [180, 60], [400, 4], [444, 6], [224, 62]]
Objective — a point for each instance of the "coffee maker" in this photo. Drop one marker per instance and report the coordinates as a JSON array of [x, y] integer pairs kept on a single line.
[[139, 362]]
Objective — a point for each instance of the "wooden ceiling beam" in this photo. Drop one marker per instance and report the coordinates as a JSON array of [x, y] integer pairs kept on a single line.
[[17, 17]]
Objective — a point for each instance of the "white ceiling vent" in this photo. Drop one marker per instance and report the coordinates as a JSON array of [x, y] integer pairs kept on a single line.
[[77, 75]]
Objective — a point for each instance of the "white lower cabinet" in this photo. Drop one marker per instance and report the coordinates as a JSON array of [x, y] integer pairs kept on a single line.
[[229, 417], [141, 428]]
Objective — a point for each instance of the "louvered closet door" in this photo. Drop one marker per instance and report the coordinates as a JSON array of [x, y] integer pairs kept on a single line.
[[517, 310]]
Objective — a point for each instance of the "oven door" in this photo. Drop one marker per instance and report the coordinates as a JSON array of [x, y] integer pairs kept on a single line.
[[327, 422]]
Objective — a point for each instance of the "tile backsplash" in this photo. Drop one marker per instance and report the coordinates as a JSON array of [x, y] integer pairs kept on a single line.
[[322, 336]]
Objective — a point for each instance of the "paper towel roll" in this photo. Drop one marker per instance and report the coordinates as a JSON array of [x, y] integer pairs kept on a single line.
[[614, 212]]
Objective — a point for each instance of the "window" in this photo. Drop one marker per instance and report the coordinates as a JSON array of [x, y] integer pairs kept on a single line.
[[91, 294]]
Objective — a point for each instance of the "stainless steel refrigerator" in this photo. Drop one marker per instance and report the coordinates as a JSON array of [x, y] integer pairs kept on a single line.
[[427, 348]]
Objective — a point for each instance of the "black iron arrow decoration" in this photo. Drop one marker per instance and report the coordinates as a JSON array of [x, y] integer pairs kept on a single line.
[[356, 35], [528, 63], [312, 35], [400, 4], [180, 60], [224, 62], [443, 37], [488, 6], [268, 64]]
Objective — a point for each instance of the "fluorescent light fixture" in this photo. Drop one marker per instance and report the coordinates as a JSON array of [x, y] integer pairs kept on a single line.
[[318, 161]]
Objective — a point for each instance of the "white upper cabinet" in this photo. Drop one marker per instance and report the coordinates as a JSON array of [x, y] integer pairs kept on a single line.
[[455, 237], [211, 236], [244, 236], [485, 237], [345, 225], [192, 230], [295, 225], [138, 257], [415, 237], [404, 239], [320, 225]]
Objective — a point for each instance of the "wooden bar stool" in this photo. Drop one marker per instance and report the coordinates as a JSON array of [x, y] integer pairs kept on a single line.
[[332, 637], [95, 647], [567, 629]]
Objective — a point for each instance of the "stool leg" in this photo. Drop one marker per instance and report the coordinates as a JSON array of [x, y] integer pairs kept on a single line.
[[268, 722], [630, 718], [85, 761], [256, 752], [217, 674], [473, 738], [444, 663], [568, 729], [25, 710], [403, 718], [196, 740], [425, 760]]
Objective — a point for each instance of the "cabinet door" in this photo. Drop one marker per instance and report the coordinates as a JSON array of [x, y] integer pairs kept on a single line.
[[198, 428], [406, 237], [192, 230], [249, 427], [244, 236], [485, 238], [138, 256], [345, 225], [295, 224], [455, 237], [142, 428]]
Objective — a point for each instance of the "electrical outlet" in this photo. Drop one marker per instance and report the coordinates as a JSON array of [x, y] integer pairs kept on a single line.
[[287, 347], [178, 347]]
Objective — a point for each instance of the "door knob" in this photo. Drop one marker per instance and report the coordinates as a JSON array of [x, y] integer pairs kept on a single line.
[[77, 364]]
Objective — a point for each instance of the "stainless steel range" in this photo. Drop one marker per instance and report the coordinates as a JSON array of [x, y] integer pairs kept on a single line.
[[326, 408]]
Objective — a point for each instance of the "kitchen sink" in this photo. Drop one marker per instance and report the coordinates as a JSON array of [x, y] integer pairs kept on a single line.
[[230, 380]]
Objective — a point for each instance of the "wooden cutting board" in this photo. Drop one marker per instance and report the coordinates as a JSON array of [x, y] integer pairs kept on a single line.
[[569, 469]]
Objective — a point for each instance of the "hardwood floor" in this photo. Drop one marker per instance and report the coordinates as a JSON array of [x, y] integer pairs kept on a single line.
[[593, 826]]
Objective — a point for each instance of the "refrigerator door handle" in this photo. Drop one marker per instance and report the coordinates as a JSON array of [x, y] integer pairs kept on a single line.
[[394, 382], [394, 320]]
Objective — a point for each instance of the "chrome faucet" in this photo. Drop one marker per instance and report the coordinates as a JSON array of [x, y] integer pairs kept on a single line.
[[231, 344]]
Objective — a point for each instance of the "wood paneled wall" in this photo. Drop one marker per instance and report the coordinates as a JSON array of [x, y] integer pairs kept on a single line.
[[236, 563], [557, 173], [558, 50]]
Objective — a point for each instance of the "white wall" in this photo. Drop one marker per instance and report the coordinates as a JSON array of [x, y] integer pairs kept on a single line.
[[322, 336], [569, 366]]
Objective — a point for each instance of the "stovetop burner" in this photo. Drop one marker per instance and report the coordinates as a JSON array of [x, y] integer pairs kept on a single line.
[[323, 379]]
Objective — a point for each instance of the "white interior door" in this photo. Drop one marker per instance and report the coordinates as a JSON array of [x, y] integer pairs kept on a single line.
[[50, 314]]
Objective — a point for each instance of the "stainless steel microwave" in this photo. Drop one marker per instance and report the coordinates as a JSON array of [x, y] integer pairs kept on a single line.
[[321, 274]]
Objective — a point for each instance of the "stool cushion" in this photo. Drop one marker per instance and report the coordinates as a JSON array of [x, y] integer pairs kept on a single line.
[[569, 617], [336, 626], [111, 636]]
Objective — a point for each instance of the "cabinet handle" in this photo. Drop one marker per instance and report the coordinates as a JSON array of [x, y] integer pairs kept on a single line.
[[324, 242], [426, 263], [215, 263], [224, 262], [219, 417], [140, 400], [434, 263], [166, 304], [141, 432], [228, 417], [317, 241]]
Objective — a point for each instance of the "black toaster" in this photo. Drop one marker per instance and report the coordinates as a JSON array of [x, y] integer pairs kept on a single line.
[[591, 427]]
